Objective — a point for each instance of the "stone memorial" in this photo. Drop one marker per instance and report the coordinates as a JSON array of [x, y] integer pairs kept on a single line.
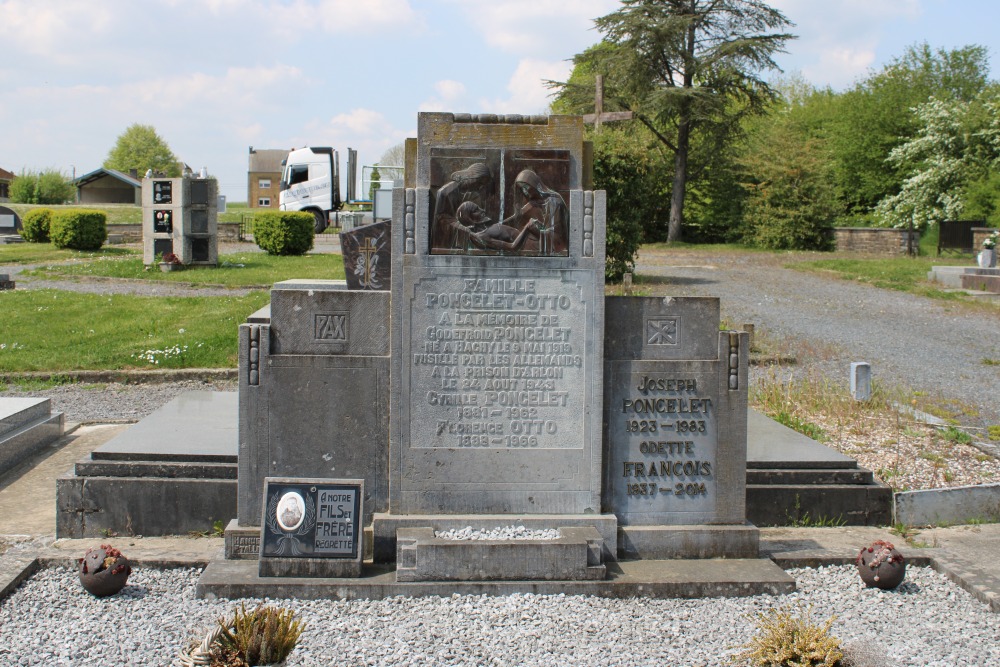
[[10, 225], [6, 282], [491, 383], [180, 216]]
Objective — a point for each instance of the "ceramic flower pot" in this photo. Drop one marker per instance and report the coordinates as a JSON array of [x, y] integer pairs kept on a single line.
[[104, 571], [167, 267], [881, 565]]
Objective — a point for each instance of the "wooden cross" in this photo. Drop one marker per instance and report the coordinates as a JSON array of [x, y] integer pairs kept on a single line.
[[599, 116]]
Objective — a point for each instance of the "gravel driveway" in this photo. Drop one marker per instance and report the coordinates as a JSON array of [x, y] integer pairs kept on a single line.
[[912, 341]]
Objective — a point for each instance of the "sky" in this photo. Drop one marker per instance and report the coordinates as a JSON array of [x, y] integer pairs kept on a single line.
[[214, 77]]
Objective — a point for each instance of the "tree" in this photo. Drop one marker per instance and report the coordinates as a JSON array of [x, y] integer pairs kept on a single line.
[[392, 164], [689, 70], [956, 146], [878, 115], [376, 181], [140, 148], [47, 187]]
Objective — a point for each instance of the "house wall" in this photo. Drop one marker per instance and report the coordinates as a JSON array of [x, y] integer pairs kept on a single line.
[[109, 190], [255, 192]]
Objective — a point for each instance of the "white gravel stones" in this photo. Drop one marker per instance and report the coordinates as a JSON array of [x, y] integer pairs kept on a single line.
[[498, 533], [928, 622]]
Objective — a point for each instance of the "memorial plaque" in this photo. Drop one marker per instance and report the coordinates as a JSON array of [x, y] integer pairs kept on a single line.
[[199, 222], [162, 246], [311, 518], [163, 221], [163, 192], [199, 193], [367, 256], [10, 222]]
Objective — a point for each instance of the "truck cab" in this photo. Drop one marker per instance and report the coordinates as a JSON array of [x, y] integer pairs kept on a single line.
[[310, 181]]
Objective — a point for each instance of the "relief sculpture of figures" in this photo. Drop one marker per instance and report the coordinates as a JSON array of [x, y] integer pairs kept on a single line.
[[543, 213], [471, 184], [472, 226]]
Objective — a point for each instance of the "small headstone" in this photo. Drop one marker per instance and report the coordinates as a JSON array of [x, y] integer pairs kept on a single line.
[[6, 282], [367, 257], [861, 381], [311, 527]]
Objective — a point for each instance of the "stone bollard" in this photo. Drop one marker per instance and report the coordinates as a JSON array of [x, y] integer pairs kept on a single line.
[[861, 380]]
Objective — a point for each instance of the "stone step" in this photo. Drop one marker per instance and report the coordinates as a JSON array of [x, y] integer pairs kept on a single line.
[[981, 282], [810, 476], [15, 413], [19, 444], [89, 467], [813, 505]]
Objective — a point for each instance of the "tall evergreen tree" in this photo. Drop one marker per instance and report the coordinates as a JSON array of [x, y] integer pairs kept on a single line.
[[690, 70]]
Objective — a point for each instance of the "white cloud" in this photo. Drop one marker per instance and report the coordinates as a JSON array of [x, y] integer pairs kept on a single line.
[[337, 16], [838, 41], [528, 93], [537, 28], [57, 29], [449, 95], [365, 130]]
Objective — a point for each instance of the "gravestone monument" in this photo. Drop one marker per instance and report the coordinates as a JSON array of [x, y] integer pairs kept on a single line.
[[180, 216], [10, 225]]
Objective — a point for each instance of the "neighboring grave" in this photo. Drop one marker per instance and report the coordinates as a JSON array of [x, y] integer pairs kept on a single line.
[[180, 216], [675, 419], [367, 253], [6, 282], [498, 300], [10, 225]]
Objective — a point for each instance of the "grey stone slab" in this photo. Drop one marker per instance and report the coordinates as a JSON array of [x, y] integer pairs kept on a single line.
[[325, 318], [789, 476], [90, 506], [197, 426], [627, 579], [17, 412], [680, 542], [774, 445], [955, 505], [242, 542], [574, 556], [262, 316], [18, 445]]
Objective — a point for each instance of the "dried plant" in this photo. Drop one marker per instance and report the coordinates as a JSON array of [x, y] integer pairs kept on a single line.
[[262, 636], [784, 639]]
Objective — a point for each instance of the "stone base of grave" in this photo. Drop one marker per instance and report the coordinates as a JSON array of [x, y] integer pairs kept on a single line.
[[243, 542], [673, 542], [574, 556], [386, 526], [26, 425], [625, 579], [309, 567]]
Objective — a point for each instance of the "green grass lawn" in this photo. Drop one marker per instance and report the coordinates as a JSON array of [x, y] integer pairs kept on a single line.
[[907, 274], [35, 253], [242, 269], [50, 330]]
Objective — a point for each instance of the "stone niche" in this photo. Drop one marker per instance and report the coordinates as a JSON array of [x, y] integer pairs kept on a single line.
[[498, 304]]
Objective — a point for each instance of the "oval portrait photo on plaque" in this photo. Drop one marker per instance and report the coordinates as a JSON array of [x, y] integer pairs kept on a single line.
[[291, 511]]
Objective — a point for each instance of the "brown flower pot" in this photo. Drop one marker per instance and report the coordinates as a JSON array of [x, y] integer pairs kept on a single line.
[[881, 565], [104, 571]]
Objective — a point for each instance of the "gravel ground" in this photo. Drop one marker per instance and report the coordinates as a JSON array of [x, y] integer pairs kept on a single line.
[[910, 341], [157, 614]]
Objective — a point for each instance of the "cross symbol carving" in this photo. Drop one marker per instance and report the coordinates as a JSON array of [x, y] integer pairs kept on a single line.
[[368, 250], [662, 332]]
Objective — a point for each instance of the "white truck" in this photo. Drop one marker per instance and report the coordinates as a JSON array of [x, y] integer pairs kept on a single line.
[[310, 181]]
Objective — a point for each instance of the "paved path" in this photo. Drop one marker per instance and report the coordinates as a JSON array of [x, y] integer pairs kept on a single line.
[[911, 341]]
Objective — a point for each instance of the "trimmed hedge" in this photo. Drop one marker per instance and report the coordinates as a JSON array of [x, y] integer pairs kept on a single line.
[[35, 225], [284, 232], [78, 228]]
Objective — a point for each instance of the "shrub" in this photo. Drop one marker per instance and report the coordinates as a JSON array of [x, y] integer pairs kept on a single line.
[[35, 225], [78, 228], [284, 232], [786, 639], [262, 636]]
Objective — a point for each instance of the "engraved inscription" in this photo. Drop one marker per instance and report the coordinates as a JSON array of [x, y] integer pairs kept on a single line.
[[667, 430], [499, 363], [246, 545], [331, 326], [661, 331]]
